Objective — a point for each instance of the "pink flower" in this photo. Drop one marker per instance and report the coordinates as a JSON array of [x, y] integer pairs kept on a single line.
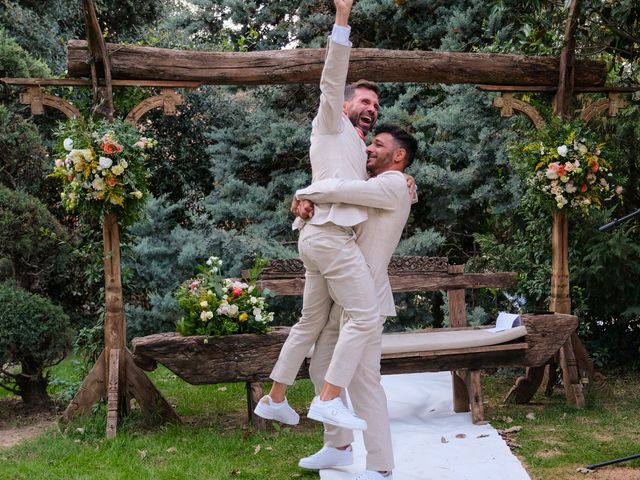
[[237, 292], [194, 285]]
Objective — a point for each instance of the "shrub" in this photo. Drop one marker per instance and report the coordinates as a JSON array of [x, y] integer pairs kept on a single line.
[[34, 248], [34, 335]]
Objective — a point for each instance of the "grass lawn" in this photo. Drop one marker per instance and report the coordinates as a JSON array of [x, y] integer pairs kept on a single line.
[[214, 442]]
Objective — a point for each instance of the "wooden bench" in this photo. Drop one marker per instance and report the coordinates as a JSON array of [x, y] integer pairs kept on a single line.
[[250, 358]]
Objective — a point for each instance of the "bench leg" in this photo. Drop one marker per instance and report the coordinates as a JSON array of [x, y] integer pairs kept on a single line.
[[467, 394], [254, 394]]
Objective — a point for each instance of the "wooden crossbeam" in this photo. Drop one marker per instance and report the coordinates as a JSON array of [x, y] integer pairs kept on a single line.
[[80, 82], [304, 65]]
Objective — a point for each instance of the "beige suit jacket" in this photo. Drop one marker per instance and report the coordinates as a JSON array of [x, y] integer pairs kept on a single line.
[[336, 151], [388, 204]]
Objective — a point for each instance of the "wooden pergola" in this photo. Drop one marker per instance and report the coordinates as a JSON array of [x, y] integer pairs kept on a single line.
[[101, 66]]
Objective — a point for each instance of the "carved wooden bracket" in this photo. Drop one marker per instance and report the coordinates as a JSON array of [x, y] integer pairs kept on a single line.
[[37, 99], [613, 104], [507, 104], [168, 100]]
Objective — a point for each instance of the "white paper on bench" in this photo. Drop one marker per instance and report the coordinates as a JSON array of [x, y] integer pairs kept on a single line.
[[505, 321], [421, 413]]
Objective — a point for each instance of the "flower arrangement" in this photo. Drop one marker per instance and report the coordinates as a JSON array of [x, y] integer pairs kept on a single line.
[[102, 168], [213, 305], [567, 169]]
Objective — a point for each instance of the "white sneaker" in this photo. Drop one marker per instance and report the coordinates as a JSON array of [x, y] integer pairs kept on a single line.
[[335, 412], [281, 412], [327, 457], [372, 475]]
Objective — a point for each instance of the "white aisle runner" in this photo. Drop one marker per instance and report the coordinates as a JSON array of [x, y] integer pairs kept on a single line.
[[430, 442]]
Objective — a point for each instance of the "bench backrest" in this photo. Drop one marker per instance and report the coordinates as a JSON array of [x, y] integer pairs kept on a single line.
[[406, 274]]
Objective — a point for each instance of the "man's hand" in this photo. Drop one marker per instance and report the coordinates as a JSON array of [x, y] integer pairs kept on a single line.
[[411, 185], [411, 182], [302, 208], [343, 9]]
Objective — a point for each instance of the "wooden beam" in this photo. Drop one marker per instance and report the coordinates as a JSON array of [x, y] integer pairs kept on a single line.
[[304, 65], [98, 61], [410, 283], [80, 82], [522, 88]]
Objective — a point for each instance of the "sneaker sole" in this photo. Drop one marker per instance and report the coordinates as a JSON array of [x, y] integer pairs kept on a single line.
[[266, 414], [350, 426], [310, 466]]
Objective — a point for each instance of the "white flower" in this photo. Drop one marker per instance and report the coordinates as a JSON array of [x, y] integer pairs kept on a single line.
[[204, 304], [118, 169], [562, 150], [253, 300], [251, 288], [206, 315], [551, 174], [59, 162], [136, 194], [233, 310], [98, 184], [570, 188], [68, 144], [582, 149], [104, 163]]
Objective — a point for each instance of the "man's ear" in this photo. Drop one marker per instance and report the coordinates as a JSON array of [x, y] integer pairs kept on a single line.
[[399, 155], [345, 107]]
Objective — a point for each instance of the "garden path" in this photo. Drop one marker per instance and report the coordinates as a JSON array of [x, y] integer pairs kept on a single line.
[[431, 442]]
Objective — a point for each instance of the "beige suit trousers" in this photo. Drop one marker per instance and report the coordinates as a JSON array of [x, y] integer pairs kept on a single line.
[[336, 271], [367, 395]]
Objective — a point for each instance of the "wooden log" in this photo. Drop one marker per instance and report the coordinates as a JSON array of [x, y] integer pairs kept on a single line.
[[250, 357], [92, 390], [201, 360], [254, 394], [114, 320], [410, 283], [153, 405], [304, 65]]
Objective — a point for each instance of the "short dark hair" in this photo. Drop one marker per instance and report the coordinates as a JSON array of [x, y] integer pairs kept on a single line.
[[404, 139], [350, 90]]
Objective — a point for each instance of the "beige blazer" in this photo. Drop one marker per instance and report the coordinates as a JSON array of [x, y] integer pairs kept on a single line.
[[388, 204], [336, 151]]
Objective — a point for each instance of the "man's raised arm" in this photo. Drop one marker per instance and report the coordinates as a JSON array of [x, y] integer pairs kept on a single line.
[[334, 73]]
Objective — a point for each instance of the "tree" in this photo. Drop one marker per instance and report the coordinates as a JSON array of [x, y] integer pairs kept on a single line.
[[34, 335]]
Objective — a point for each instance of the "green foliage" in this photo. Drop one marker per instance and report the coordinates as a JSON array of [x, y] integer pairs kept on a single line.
[[34, 334], [22, 153], [33, 245], [16, 62]]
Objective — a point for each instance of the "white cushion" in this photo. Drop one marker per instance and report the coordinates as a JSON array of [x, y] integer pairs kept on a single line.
[[445, 339]]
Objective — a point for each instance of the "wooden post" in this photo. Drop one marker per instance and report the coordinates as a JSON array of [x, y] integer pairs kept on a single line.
[[560, 301], [114, 377], [115, 331]]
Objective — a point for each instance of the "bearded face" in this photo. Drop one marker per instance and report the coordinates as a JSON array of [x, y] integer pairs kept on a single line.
[[363, 109]]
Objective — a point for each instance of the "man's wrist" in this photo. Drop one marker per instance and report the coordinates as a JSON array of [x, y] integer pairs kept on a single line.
[[340, 34]]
